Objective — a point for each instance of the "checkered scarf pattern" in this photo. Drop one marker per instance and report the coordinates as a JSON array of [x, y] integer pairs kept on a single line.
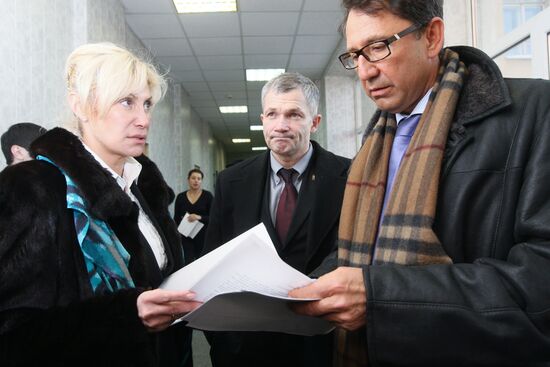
[[405, 236]]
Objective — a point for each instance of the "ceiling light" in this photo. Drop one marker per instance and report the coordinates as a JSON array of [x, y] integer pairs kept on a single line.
[[259, 148], [233, 109], [255, 75], [205, 6], [237, 141], [256, 127]]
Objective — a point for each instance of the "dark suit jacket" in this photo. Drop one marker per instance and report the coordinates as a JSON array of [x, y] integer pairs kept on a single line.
[[241, 202]]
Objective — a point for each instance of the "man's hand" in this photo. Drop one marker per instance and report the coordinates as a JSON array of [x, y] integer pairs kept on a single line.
[[158, 308], [343, 298]]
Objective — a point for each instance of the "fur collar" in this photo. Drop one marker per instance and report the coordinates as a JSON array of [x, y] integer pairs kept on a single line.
[[484, 91], [104, 197]]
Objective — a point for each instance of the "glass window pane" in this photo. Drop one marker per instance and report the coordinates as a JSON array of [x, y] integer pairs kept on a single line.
[[512, 17], [531, 11]]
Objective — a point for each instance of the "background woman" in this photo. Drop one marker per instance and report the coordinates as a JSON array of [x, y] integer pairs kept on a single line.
[[85, 230], [196, 202]]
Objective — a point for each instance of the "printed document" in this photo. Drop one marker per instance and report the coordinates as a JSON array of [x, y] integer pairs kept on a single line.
[[244, 285]]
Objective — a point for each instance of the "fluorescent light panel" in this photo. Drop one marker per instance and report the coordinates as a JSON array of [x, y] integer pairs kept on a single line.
[[237, 141], [259, 148], [233, 109], [255, 75], [205, 6], [256, 127]]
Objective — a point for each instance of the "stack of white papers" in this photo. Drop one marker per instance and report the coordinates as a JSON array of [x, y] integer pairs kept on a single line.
[[244, 286], [189, 229]]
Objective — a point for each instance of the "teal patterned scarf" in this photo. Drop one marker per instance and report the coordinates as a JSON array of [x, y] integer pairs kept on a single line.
[[105, 257]]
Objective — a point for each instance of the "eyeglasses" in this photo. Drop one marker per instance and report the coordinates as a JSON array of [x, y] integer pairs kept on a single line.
[[374, 51]]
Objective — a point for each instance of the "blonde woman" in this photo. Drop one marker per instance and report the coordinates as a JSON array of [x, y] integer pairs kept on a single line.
[[85, 232]]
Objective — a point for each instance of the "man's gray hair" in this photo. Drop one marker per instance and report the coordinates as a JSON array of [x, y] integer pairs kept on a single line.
[[287, 82]]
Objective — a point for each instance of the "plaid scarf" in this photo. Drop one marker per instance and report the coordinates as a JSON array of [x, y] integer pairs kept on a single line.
[[405, 235]]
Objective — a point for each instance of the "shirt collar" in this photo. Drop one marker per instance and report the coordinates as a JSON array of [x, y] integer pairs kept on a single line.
[[300, 166], [418, 109], [130, 172]]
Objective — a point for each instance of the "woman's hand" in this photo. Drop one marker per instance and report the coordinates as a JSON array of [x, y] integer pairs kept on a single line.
[[193, 217], [158, 308]]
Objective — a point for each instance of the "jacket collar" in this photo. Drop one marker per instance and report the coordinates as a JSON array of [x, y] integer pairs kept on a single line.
[[484, 91], [104, 197]]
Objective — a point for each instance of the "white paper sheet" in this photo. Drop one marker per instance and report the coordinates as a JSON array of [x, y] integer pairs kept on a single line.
[[228, 275], [189, 229]]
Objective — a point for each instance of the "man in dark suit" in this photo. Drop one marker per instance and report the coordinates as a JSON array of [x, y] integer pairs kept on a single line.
[[301, 217]]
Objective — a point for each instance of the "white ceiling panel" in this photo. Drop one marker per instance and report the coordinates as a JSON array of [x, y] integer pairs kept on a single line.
[[221, 62], [267, 45], [169, 46], [269, 23], [216, 46], [308, 61], [179, 63], [257, 86], [313, 74], [235, 118], [188, 76], [315, 44], [269, 5], [155, 25], [233, 102], [210, 24], [208, 111], [322, 5], [148, 6], [205, 103], [230, 96], [200, 95], [225, 75], [265, 61], [196, 87], [223, 86], [320, 23]]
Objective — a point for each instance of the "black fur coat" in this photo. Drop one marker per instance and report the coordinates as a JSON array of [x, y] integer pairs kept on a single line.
[[48, 313]]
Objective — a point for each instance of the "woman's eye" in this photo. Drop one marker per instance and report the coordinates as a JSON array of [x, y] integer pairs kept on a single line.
[[147, 106], [126, 102]]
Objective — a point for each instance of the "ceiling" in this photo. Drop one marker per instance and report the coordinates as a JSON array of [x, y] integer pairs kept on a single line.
[[209, 52]]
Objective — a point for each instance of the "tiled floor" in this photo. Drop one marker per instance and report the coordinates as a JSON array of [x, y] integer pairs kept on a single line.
[[201, 350]]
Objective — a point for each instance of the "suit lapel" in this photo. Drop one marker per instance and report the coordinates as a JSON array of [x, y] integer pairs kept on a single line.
[[248, 194]]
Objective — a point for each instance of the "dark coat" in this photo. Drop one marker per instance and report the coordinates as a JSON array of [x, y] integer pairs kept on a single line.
[[48, 312], [240, 203], [492, 306]]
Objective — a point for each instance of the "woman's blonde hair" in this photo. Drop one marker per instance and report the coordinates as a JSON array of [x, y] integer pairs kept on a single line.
[[100, 74]]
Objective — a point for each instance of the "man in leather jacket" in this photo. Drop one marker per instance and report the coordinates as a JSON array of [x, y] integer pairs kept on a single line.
[[487, 302]]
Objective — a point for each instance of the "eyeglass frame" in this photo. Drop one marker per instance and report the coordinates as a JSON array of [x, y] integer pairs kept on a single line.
[[387, 42]]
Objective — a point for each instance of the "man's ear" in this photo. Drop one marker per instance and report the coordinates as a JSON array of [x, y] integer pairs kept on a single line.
[[435, 35], [316, 122], [19, 153], [76, 107]]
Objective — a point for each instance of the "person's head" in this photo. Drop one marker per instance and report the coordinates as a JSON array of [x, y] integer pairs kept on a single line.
[[194, 178], [17, 140], [111, 93], [402, 68], [289, 104]]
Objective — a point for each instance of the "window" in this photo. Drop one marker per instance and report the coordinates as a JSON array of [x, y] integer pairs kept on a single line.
[[517, 12]]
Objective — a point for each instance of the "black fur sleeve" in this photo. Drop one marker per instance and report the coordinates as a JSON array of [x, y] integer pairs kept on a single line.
[[45, 315]]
